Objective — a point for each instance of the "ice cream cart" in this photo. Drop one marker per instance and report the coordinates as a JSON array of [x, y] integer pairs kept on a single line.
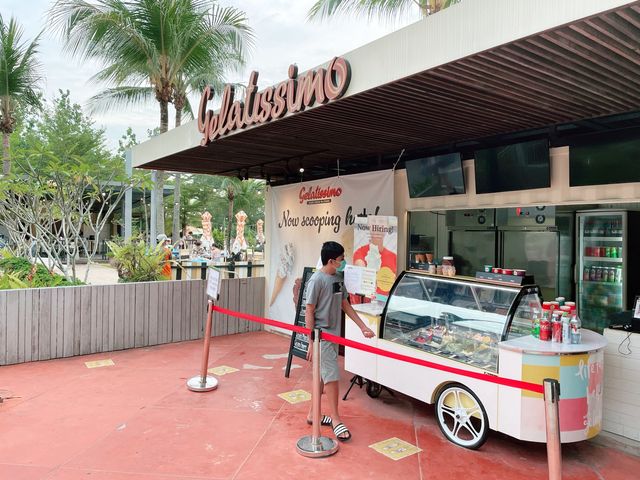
[[481, 326]]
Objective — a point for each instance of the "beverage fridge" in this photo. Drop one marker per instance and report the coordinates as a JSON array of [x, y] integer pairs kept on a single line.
[[606, 268]]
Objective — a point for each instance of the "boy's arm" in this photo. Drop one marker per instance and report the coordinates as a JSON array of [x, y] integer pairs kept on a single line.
[[351, 313], [310, 323]]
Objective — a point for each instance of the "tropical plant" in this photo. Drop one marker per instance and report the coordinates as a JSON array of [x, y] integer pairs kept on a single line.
[[64, 183], [149, 47], [19, 81], [136, 261], [17, 272], [385, 9]]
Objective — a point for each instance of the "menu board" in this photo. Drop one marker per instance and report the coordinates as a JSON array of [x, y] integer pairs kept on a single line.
[[300, 342]]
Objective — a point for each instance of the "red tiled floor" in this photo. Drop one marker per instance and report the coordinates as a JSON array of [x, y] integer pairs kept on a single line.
[[136, 420]]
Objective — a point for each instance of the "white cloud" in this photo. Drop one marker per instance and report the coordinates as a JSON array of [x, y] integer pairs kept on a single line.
[[283, 36]]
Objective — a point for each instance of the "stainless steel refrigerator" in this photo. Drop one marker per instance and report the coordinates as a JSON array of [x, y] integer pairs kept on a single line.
[[525, 237]]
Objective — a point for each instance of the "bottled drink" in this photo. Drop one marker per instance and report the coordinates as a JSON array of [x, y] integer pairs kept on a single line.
[[576, 336], [535, 323], [560, 301], [585, 273], [619, 252], [618, 274], [556, 327], [566, 330]]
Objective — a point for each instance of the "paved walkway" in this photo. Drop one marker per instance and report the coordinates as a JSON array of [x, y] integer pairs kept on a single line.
[[135, 420]]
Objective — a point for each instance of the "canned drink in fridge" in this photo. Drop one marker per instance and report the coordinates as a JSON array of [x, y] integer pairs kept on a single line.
[[585, 273], [592, 273], [607, 252]]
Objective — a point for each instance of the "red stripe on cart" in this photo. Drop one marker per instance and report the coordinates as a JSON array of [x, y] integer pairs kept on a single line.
[[507, 382]]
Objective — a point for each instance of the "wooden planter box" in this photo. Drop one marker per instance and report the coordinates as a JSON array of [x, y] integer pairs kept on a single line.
[[46, 323]]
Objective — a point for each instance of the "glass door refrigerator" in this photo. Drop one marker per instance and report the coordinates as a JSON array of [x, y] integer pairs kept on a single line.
[[603, 261]]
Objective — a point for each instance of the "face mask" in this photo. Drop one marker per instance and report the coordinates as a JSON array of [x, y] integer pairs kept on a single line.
[[343, 264]]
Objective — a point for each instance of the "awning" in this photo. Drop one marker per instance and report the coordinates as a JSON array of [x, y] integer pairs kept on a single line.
[[571, 75]]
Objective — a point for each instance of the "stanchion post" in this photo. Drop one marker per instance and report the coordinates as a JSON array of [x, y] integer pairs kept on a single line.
[[204, 382], [552, 420], [314, 445]]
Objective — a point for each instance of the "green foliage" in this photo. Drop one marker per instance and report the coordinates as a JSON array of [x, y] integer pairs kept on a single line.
[[19, 79], [214, 194], [63, 180], [384, 9], [19, 272], [137, 262]]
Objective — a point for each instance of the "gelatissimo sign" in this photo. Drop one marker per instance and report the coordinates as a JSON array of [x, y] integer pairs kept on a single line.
[[318, 194], [290, 96]]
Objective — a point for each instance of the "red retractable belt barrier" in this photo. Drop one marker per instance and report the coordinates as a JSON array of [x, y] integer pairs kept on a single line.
[[532, 387]]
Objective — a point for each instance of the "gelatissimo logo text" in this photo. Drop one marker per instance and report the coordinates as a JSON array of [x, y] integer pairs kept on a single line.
[[318, 194], [290, 96]]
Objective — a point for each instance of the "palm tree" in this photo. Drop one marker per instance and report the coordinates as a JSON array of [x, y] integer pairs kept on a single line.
[[19, 81], [148, 46], [371, 8], [244, 194]]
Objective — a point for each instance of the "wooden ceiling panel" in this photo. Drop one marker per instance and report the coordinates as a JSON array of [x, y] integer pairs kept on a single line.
[[585, 70]]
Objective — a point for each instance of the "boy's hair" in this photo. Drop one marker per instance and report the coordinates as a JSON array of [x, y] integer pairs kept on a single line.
[[330, 251]]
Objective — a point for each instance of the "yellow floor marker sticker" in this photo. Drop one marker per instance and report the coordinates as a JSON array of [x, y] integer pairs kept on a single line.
[[99, 363], [395, 449], [295, 396], [222, 370]]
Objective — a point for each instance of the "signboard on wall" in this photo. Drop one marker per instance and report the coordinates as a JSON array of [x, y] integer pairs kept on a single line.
[[307, 214], [376, 248]]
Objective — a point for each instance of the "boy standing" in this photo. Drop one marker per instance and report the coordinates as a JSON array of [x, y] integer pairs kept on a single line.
[[326, 297]]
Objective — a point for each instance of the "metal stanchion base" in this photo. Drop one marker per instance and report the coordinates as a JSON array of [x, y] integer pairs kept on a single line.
[[326, 446], [195, 384]]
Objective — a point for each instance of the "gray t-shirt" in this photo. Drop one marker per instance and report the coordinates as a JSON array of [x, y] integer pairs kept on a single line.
[[326, 292]]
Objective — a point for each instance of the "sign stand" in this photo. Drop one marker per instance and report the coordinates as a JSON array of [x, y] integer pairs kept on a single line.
[[204, 382], [315, 446], [299, 342]]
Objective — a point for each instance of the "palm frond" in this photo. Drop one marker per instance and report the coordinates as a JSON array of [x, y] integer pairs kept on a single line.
[[113, 98]]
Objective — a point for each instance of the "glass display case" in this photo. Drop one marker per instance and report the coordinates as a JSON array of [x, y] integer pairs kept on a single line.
[[458, 318]]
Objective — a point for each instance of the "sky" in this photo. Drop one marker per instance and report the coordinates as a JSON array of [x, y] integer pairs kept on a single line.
[[283, 36]]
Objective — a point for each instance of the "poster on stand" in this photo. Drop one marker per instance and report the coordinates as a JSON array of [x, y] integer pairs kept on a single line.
[[307, 214], [376, 248]]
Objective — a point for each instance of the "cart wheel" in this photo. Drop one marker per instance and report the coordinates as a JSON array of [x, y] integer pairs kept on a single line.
[[461, 417], [373, 389]]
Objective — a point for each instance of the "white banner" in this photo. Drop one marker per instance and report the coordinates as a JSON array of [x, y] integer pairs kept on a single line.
[[305, 215]]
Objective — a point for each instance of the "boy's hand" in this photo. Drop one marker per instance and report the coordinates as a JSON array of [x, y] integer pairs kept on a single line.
[[368, 333]]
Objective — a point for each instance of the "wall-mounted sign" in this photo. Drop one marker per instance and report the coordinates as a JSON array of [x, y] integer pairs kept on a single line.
[[292, 95]]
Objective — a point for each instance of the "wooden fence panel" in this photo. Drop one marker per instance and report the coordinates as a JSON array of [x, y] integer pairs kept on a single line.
[[43, 321], [38, 324], [3, 329]]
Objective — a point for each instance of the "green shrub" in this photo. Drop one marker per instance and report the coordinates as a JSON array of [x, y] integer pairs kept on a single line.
[[136, 262], [18, 272]]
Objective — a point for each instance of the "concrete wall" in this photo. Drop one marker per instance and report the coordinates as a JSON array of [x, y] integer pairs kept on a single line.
[[559, 193], [621, 386]]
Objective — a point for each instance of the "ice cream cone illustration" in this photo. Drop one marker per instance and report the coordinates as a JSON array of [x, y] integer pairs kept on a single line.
[[285, 267]]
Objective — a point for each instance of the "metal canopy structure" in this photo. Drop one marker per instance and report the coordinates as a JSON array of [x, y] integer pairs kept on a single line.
[[564, 79]]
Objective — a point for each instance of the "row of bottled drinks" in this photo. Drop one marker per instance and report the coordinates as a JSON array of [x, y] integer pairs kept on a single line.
[[596, 273], [558, 322], [598, 228]]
